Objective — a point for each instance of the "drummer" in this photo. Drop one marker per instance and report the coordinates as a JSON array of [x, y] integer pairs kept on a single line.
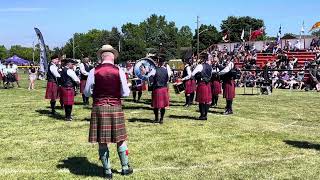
[[215, 82], [189, 82], [137, 86]]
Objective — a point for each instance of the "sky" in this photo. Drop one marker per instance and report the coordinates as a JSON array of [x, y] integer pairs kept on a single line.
[[59, 19]]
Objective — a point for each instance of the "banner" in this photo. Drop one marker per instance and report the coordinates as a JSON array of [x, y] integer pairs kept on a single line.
[[43, 53]]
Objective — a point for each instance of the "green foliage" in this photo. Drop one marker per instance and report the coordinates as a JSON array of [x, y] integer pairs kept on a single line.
[[208, 35], [288, 36], [316, 33], [24, 52], [3, 52], [235, 25]]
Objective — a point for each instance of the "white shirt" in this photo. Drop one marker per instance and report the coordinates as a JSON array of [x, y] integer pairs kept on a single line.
[[83, 70], [169, 70], [227, 68], [188, 73], [73, 75], [125, 91], [54, 70], [14, 68], [198, 68]]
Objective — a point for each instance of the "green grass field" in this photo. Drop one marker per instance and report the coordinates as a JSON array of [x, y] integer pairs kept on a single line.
[[268, 137]]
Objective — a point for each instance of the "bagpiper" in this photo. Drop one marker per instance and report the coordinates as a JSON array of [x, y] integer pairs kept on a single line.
[[85, 68], [228, 85], [52, 85], [107, 83], [202, 74], [189, 82], [69, 80]]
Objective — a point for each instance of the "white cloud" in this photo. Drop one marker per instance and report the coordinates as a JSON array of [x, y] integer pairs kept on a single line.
[[22, 9]]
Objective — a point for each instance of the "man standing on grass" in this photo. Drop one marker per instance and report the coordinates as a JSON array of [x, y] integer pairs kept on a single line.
[[69, 80], [107, 83], [52, 84], [85, 68]]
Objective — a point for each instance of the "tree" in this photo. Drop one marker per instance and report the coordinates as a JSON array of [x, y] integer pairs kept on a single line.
[[316, 33], [234, 26], [3, 52], [23, 52], [208, 35]]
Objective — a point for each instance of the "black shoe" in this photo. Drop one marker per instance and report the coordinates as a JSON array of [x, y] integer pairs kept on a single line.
[[202, 118], [156, 121], [186, 105], [107, 176], [227, 112], [161, 121], [53, 112], [127, 172]]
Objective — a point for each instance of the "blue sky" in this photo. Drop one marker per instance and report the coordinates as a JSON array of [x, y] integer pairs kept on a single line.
[[59, 19]]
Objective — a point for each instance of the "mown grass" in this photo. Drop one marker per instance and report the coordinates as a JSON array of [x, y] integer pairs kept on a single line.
[[268, 137]]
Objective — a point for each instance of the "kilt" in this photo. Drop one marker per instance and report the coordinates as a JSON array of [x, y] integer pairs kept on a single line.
[[107, 125], [204, 93], [52, 91], [1, 76], [16, 76], [229, 90], [82, 85], [190, 86], [67, 95], [160, 98], [216, 87]]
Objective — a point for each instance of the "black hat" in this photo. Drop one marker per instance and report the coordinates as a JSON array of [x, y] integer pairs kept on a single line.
[[69, 60], [54, 56]]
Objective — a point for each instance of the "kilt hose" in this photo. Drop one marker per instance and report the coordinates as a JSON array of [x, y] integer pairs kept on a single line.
[[229, 90], [204, 95], [160, 98], [67, 95], [216, 87], [107, 125], [52, 91], [82, 85], [190, 86]]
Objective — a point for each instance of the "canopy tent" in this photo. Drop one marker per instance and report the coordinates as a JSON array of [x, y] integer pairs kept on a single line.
[[17, 60]]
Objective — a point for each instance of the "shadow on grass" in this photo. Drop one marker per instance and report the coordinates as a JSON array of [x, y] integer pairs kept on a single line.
[[82, 167], [144, 120], [215, 112], [176, 117], [48, 113], [249, 94], [303, 144]]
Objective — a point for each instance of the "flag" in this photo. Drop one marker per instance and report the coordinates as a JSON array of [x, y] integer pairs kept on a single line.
[[279, 35], [43, 53], [225, 36], [315, 26], [242, 35], [302, 28], [257, 33]]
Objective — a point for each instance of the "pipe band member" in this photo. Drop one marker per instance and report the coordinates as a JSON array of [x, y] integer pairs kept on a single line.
[[202, 74], [215, 84], [52, 85], [85, 68], [189, 82], [107, 83], [69, 80], [160, 91], [228, 86]]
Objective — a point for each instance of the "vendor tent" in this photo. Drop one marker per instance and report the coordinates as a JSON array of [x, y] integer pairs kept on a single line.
[[17, 60]]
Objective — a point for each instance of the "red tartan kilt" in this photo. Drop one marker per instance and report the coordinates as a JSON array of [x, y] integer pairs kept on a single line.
[[52, 91], [160, 98], [216, 88], [67, 96], [144, 86], [204, 93], [229, 91], [190, 86], [1, 77], [16, 76], [82, 85]]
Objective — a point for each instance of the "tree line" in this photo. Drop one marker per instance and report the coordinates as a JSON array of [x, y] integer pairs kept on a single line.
[[134, 41]]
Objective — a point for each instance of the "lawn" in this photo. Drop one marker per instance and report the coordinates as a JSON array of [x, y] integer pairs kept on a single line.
[[268, 137]]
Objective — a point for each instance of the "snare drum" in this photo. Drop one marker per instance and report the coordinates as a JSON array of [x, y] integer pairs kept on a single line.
[[178, 88]]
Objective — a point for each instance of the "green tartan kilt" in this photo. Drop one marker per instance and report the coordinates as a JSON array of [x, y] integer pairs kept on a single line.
[[107, 125]]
